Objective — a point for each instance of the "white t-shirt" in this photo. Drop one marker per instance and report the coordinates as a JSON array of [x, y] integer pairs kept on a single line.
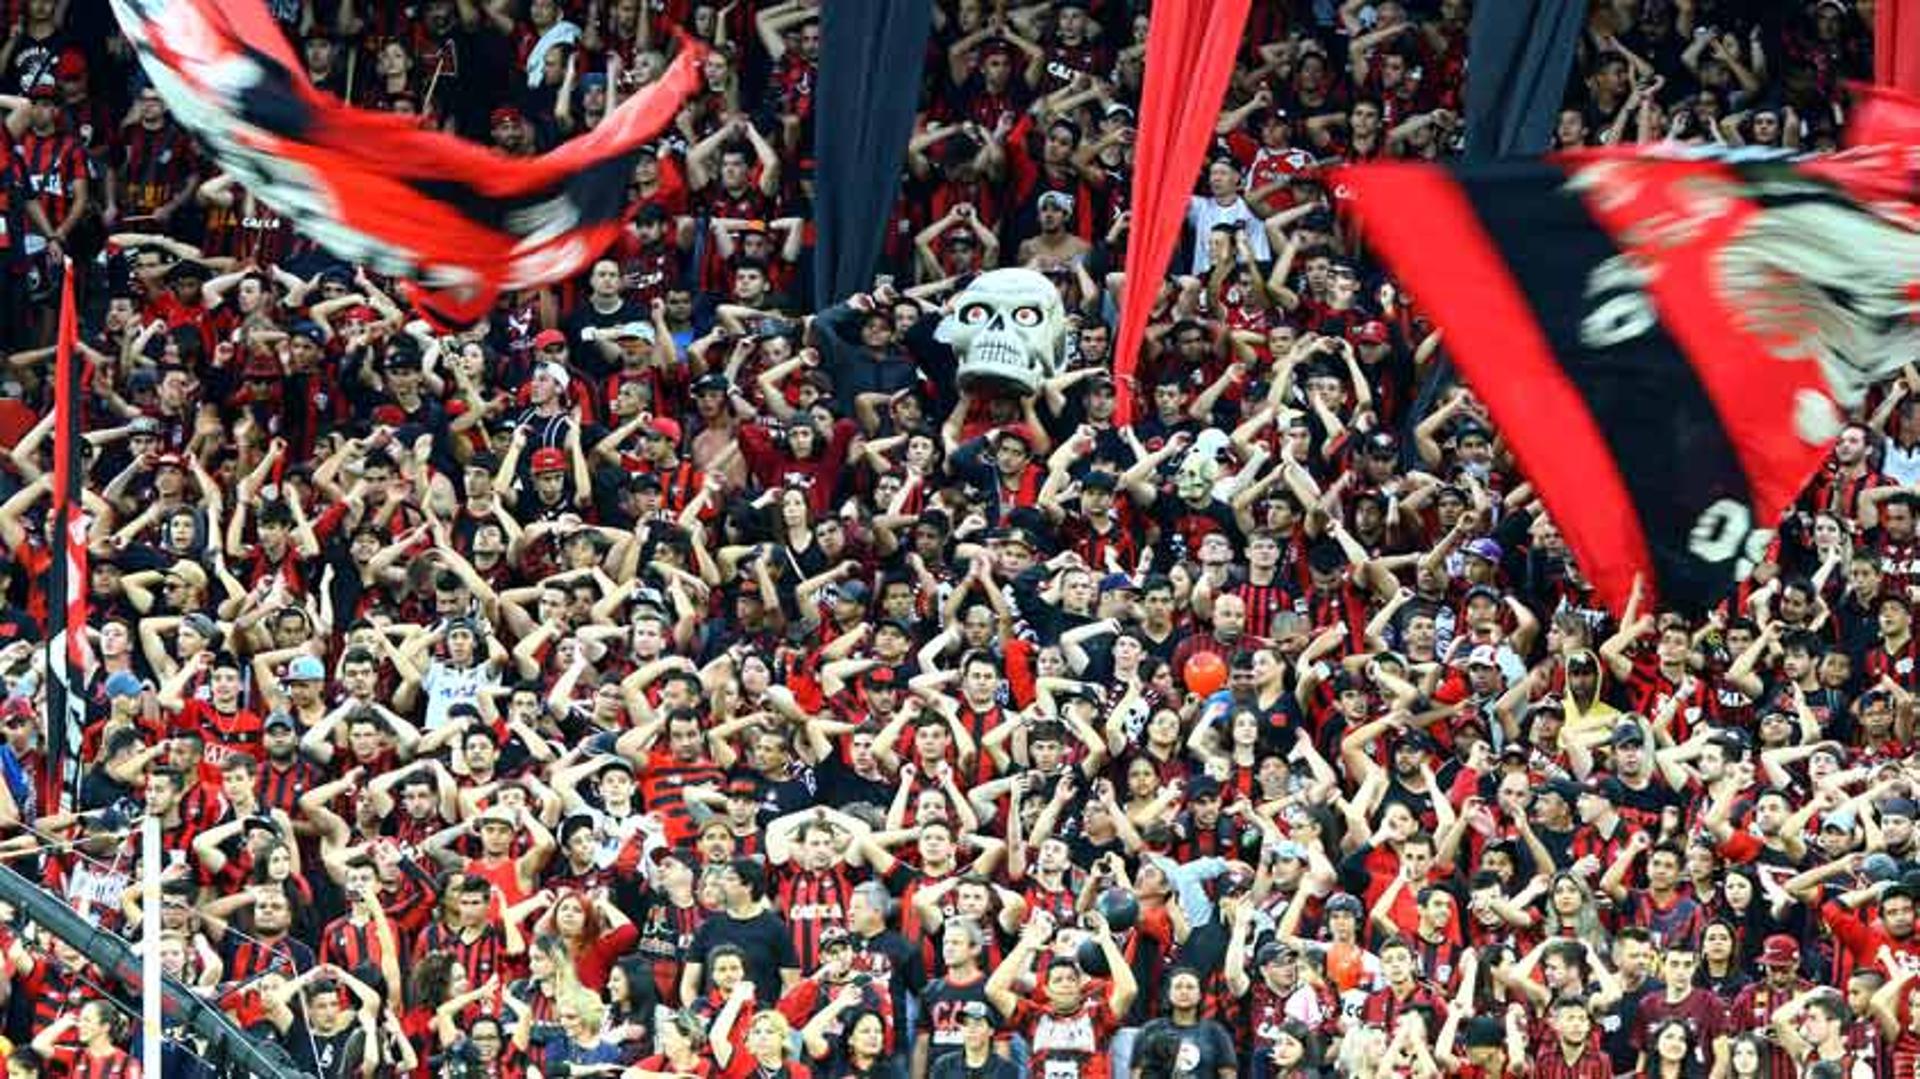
[[1203, 213], [447, 686]]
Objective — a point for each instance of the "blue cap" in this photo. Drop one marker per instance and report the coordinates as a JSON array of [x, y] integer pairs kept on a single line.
[[1117, 582], [306, 669], [1880, 866], [124, 684]]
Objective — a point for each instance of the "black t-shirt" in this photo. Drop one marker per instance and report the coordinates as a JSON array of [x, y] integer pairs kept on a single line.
[[954, 1066], [587, 355], [940, 1011], [766, 942], [1204, 1047], [840, 786]]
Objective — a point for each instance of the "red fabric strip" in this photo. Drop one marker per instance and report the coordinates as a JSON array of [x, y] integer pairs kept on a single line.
[[1896, 44], [1190, 53]]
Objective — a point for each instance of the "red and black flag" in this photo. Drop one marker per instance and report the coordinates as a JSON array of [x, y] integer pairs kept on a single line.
[[1668, 340], [67, 650], [459, 221]]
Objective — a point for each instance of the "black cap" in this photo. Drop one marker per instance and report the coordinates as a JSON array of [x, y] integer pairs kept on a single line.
[[711, 383], [977, 1011]]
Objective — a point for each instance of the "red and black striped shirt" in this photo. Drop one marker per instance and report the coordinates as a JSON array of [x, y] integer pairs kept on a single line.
[[811, 901], [156, 165], [55, 165]]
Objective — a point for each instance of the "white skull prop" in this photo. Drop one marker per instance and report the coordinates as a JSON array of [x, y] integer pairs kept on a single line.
[[1007, 328], [1195, 479]]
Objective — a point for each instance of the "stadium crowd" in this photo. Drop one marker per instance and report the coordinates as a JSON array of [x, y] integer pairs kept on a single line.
[[662, 678]]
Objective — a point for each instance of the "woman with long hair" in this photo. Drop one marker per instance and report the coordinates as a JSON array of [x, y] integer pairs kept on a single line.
[[1670, 1052], [632, 998], [594, 932], [533, 1000], [1747, 1056], [1721, 969], [1297, 1053], [861, 1052], [1571, 911]]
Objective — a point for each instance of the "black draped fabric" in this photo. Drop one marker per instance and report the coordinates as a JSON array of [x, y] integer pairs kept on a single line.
[[863, 117], [1522, 53]]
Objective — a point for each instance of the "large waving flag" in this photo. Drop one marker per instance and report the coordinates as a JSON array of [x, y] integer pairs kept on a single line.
[[1669, 338], [458, 220]]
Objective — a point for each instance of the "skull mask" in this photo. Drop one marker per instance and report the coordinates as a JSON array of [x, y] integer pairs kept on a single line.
[[1008, 328], [1200, 468]]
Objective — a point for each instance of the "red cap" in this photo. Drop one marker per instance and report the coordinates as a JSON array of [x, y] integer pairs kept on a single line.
[[1371, 333], [1020, 431], [1780, 950], [668, 427], [503, 114], [549, 459], [545, 338], [71, 65]]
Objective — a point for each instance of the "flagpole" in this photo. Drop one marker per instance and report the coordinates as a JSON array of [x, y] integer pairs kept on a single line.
[[151, 861]]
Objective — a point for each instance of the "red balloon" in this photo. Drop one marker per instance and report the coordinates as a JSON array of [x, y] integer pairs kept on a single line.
[[1205, 672], [1345, 967]]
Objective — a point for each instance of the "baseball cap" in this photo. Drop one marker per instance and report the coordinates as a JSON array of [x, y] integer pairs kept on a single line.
[[1567, 789], [555, 372], [1609, 788], [1288, 850], [1483, 547], [1371, 332], [279, 719], [1203, 786], [1481, 591], [1628, 733], [1020, 431], [1382, 444], [549, 338], [1841, 820], [1117, 582], [1345, 903], [667, 427], [1780, 950], [973, 1011], [1483, 655], [1273, 951], [306, 669], [200, 623], [711, 383], [834, 936], [632, 330], [124, 684], [549, 459], [1898, 807]]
